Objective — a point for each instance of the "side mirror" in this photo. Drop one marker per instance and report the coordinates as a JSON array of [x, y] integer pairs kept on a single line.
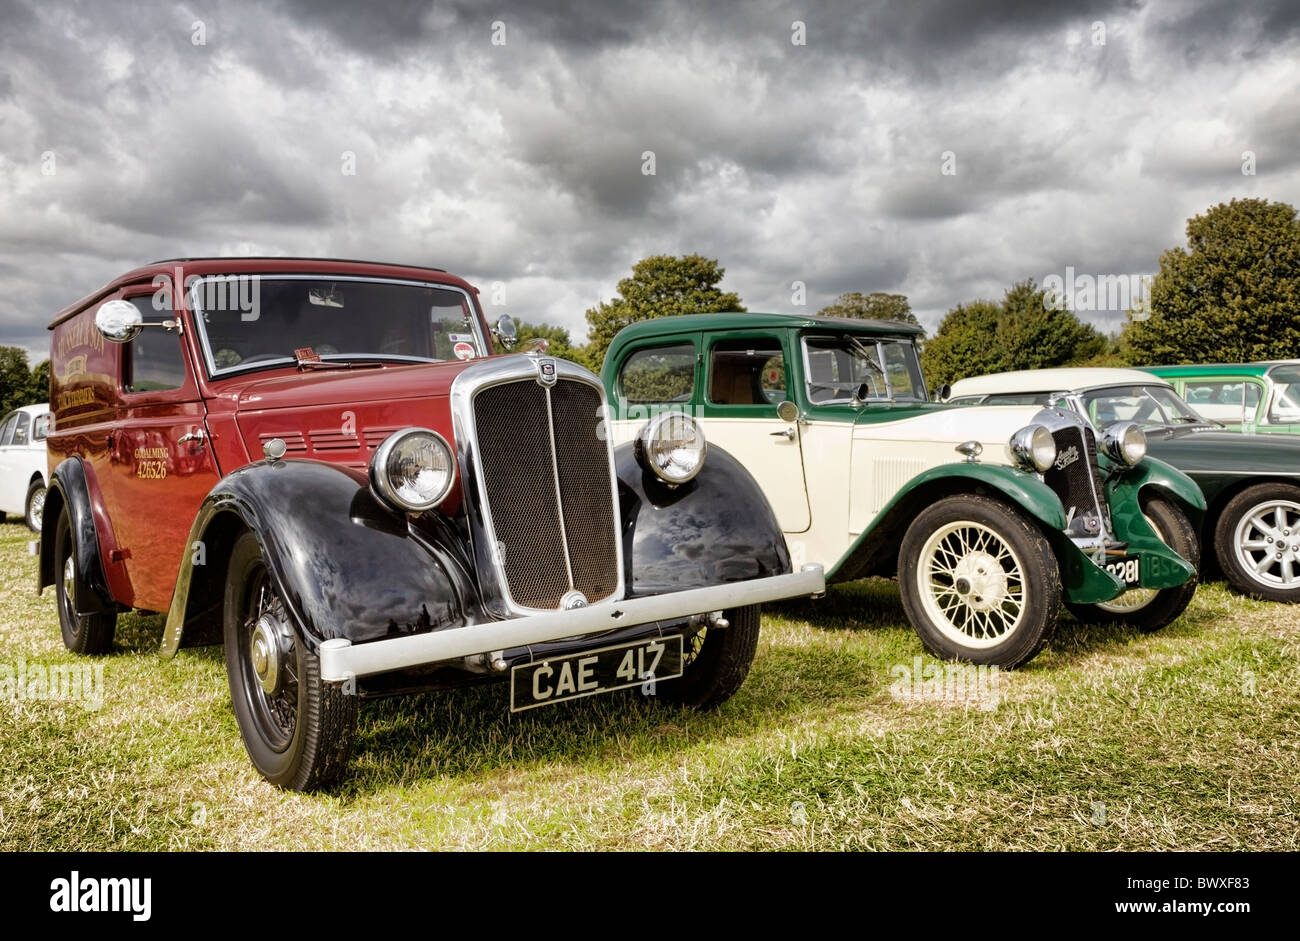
[[943, 393], [788, 412], [505, 332], [119, 321]]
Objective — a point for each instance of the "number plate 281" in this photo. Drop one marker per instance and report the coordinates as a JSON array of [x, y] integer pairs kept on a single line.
[[1128, 571]]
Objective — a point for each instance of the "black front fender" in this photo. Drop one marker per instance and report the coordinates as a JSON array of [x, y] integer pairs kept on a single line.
[[717, 528], [346, 565]]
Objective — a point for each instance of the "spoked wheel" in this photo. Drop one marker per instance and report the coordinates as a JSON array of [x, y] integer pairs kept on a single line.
[[35, 506], [979, 581], [1257, 541], [715, 661], [1149, 609], [298, 730]]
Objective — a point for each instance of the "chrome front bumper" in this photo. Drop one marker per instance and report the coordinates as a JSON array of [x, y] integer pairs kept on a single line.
[[341, 660]]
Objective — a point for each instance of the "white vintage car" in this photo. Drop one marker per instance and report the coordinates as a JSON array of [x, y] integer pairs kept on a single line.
[[990, 517], [23, 468]]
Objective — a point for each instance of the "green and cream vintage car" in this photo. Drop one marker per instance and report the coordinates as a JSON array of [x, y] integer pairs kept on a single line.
[[990, 517], [1262, 397]]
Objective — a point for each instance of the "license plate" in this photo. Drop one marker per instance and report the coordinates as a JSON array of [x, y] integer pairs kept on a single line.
[[544, 682], [1128, 571]]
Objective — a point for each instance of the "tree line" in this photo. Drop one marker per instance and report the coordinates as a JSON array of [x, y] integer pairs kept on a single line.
[[1232, 294]]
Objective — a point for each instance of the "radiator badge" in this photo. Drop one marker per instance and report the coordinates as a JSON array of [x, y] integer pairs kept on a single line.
[[546, 371], [1066, 458]]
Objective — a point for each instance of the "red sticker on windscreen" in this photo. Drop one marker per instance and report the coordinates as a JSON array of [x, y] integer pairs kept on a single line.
[[463, 350]]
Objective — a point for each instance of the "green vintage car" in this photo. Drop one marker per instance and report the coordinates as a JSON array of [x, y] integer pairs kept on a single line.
[[1251, 482], [990, 517], [1263, 397]]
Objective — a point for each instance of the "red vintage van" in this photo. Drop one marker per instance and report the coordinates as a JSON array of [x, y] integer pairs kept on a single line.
[[325, 466]]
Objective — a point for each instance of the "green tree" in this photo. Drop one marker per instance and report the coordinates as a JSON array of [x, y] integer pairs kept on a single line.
[[660, 286], [873, 306], [39, 386], [1233, 294], [1022, 332], [15, 379]]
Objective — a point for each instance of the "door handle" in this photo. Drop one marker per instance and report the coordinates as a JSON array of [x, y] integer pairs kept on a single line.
[[196, 436], [787, 434]]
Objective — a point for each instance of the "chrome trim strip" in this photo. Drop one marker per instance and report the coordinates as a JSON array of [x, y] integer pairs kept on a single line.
[[341, 660], [494, 371], [555, 479]]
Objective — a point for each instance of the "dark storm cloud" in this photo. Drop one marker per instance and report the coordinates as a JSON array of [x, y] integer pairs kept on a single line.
[[525, 162]]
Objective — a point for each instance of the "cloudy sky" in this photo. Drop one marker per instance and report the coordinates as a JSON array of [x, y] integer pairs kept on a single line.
[[506, 142]]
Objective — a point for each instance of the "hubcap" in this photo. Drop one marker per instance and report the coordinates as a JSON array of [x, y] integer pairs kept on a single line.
[[270, 673], [972, 584], [1267, 544], [265, 651], [69, 579]]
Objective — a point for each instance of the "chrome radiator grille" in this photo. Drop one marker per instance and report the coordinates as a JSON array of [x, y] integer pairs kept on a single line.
[[546, 476], [1076, 479]]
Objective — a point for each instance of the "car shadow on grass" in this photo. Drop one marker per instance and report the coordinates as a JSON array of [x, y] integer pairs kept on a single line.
[[461, 735], [874, 604]]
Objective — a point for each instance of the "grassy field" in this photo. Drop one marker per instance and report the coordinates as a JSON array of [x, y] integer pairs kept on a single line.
[[1187, 739]]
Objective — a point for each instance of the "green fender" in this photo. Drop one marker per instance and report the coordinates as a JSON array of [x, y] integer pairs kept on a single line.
[[1023, 489], [1161, 566], [1152, 472], [1082, 580]]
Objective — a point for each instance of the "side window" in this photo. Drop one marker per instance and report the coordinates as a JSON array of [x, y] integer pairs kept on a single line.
[[659, 374], [747, 372], [1286, 399], [42, 427], [1221, 400], [7, 429], [22, 430], [837, 368], [153, 361], [904, 371]]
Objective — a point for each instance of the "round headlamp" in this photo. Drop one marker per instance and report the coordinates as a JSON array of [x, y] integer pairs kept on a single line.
[[672, 446], [413, 470], [1124, 442], [1034, 448]]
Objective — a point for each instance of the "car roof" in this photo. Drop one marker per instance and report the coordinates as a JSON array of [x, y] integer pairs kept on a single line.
[[265, 265], [750, 320], [39, 409], [1193, 370], [1052, 380]]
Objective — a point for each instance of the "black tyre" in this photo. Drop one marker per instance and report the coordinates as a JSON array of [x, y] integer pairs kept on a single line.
[[298, 730], [1257, 541], [716, 662], [1149, 609], [35, 506], [979, 581], [87, 633]]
